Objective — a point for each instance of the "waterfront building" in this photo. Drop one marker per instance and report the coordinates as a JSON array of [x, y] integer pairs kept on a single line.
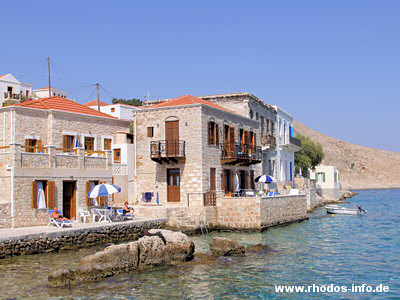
[[13, 91], [327, 181], [118, 110], [188, 147], [44, 93], [52, 151]]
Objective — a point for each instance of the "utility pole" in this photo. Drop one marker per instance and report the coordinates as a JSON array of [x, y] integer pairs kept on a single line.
[[48, 67], [98, 97]]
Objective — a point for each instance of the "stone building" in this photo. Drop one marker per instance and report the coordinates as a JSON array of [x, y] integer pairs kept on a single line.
[[190, 150], [52, 151], [276, 130]]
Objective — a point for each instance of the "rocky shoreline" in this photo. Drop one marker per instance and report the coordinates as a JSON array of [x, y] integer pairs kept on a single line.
[[159, 247]]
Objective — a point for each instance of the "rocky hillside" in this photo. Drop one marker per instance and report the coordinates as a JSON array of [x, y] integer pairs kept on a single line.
[[359, 167]]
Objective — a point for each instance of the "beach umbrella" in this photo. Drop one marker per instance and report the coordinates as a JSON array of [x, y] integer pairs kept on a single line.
[[103, 189], [264, 179], [236, 184]]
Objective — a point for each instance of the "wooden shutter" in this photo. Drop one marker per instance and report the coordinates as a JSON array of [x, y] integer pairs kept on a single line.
[[102, 198], [212, 179], [323, 177], [39, 146], [223, 181], [34, 194], [65, 143], [316, 177], [216, 135], [231, 181], [232, 135], [246, 180], [88, 188], [26, 145], [51, 194], [208, 133], [252, 179], [254, 139]]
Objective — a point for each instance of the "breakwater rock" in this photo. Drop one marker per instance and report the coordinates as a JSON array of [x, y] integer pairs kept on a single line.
[[226, 247], [159, 248]]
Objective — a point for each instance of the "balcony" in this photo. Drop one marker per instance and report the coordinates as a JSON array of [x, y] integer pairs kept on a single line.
[[10, 99], [290, 143], [167, 151], [268, 141], [240, 154]]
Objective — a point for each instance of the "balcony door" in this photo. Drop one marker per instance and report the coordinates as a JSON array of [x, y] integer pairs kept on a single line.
[[173, 185], [172, 138]]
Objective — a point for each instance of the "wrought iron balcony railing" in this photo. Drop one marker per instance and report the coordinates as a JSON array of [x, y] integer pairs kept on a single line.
[[268, 140], [167, 150], [234, 153], [295, 141]]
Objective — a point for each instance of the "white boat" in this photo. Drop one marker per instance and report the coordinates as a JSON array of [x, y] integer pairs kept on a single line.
[[336, 209]]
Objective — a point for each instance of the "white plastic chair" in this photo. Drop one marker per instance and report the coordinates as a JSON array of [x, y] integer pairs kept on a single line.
[[83, 214], [95, 214]]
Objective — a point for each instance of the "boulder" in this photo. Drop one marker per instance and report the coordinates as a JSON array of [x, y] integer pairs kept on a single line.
[[160, 247], [226, 247]]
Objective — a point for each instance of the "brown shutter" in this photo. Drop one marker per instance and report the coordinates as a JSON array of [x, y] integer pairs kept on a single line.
[[254, 140], [231, 178], [223, 181], [51, 194], [39, 146], [246, 181], [212, 179], [216, 134], [232, 135], [34, 194], [208, 133], [88, 188], [102, 198], [26, 145], [252, 179]]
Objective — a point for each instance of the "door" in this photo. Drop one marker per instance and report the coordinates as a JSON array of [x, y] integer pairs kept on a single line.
[[117, 156], [212, 180], [69, 199], [230, 141], [173, 185], [172, 138]]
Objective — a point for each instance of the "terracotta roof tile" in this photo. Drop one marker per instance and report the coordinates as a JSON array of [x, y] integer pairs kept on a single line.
[[94, 103], [187, 100], [63, 104], [3, 75]]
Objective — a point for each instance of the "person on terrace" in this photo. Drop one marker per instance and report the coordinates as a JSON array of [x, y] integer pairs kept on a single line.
[[127, 210], [58, 216]]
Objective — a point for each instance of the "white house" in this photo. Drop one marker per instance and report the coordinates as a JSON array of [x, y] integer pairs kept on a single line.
[[327, 181], [286, 146], [13, 91], [118, 110], [44, 92]]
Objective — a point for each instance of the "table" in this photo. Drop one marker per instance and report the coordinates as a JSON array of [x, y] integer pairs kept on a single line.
[[105, 215]]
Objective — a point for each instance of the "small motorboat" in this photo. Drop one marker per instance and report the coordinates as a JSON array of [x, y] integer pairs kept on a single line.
[[336, 209]]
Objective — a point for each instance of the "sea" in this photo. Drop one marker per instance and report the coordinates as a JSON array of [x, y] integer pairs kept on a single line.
[[324, 257]]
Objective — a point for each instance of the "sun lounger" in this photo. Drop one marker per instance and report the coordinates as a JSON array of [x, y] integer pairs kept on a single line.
[[121, 215], [58, 223]]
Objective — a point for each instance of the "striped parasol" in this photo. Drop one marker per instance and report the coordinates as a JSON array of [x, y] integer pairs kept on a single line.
[[103, 189]]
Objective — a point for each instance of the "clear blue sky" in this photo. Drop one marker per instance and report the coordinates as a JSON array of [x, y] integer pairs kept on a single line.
[[334, 65]]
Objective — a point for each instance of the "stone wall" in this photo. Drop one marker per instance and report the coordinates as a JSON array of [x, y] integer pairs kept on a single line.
[[238, 212], [282, 209], [34, 160], [67, 161], [75, 238], [5, 215], [95, 163]]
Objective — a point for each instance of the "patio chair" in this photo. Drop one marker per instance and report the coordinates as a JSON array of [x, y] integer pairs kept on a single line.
[[121, 215], [95, 214], [83, 214], [58, 223]]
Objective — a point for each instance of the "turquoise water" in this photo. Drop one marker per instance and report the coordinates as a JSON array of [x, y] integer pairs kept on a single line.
[[339, 250]]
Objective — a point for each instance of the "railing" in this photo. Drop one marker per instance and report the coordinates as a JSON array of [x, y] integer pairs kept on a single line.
[[295, 141], [67, 151], [268, 140], [95, 153], [34, 149], [210, 199], [240, 151], [10, 96], [167, 149], [119, 169]]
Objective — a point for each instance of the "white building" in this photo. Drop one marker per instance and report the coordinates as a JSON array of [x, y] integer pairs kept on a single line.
[[44, 93], [327, 181], [118, 110], [12, 91], [286, 146]]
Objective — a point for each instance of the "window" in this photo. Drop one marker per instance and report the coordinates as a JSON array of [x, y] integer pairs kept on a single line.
[[212, 180], [89, 143], [262, 126], [43, 194], [107, 144], [117, 156], [256, 116], [30, 145], [150, 131], [251, 114], [68, 143], [93, 201], [113, 109], [213, 133]]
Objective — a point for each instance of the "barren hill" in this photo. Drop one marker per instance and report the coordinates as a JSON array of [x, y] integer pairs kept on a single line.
[[359, 167]]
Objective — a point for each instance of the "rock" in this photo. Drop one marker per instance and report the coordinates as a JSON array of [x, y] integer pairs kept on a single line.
[[225, 247], [148, 252]]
